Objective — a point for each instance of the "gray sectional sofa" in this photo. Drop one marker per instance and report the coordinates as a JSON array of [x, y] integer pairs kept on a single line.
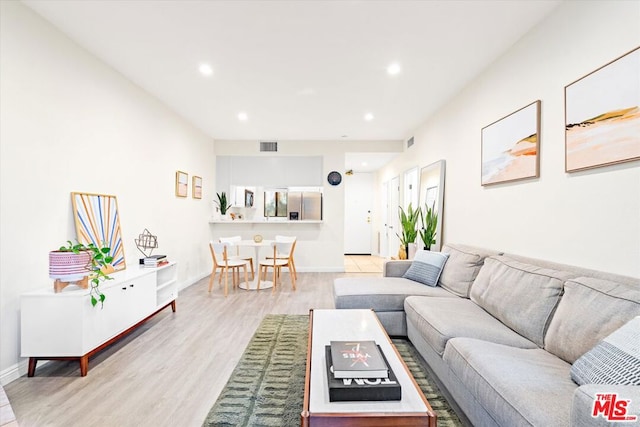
[[501, 332]]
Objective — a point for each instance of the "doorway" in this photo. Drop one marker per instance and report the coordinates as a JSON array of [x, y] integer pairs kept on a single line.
[[358, 194], [392, 224]]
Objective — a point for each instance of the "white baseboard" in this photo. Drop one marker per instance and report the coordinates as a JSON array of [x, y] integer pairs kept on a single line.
[[14, 372]]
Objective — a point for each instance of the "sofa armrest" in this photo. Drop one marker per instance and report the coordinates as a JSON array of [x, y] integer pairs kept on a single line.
[[584, 398], [395, 268]]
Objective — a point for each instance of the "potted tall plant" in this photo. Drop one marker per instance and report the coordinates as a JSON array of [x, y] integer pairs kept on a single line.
[[429, 223], [408, 222], [222, 204], [75, 262]]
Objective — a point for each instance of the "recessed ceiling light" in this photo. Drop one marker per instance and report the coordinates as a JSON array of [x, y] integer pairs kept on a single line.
[[205, 69], [393, 69], [242, 116], [364, 163], [368, 117]]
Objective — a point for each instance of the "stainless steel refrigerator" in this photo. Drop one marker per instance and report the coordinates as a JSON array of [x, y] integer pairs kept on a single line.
[[304, 205]]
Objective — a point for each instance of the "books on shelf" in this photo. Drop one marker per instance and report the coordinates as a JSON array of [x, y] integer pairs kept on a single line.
[[361, 389], [155, 261], [358, 359]]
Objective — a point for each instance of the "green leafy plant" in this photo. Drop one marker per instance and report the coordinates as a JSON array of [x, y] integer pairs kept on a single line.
[[100, 261], [222, 202], [429, 223], [408, 222]]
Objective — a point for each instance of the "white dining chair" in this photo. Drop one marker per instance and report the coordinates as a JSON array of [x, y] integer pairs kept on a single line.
[[221, 260], [233, 240], [277, 263], [289, 255]]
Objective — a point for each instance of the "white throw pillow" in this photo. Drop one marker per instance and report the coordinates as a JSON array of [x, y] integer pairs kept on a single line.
[[426, 267], [615, 360]]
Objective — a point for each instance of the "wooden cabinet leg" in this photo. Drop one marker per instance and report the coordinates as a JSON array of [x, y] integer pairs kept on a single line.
[[84, 365], [32, 366], [173, 305]]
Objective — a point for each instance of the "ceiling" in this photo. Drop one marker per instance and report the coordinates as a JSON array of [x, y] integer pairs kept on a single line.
[[300, 70]]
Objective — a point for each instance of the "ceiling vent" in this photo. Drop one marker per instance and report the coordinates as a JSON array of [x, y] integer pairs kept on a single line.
[[268, 146], [409, 142]]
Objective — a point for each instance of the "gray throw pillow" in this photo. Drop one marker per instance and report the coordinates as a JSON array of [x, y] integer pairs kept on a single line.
[[615, 360], [426, 267]]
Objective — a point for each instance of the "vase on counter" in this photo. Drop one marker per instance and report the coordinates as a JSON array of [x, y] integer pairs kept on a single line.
[[412, 248]]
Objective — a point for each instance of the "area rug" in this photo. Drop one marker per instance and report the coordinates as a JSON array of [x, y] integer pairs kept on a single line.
[[267, 386]]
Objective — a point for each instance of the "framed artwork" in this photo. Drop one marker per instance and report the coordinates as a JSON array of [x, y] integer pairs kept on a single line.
[[602, 115], [98, 222], [511, 147], [196, 187], [182, 182], [248, 198]]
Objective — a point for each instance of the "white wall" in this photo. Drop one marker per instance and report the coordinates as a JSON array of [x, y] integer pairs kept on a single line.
[[320, 247], [70, 123], [591, 218]]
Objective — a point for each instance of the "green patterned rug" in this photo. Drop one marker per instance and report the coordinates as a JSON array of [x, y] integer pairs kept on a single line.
[[267, 386]]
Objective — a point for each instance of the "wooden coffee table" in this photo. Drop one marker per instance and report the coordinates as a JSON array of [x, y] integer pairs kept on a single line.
[[327, 325]]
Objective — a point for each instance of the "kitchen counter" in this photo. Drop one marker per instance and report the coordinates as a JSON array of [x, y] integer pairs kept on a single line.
[[262, 221]]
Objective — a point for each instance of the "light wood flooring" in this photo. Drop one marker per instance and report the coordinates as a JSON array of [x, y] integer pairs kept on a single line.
[[363, 264], [170, 371]]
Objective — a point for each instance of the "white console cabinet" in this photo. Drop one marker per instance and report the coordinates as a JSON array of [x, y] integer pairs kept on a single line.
[[65, 326]]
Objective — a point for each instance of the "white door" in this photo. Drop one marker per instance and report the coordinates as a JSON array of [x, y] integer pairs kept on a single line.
[[392, 217], [358, 193], [384, 209]]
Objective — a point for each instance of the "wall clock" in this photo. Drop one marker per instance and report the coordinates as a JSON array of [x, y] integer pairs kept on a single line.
[[334, 178]]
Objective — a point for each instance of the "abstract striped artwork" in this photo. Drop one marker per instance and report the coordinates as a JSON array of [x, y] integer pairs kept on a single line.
[[98, 222]]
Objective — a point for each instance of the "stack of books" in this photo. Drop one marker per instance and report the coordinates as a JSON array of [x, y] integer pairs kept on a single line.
[[155, 261], [359, 371]]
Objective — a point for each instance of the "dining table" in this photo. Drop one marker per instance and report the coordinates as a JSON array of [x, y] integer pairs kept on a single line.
[[257, 246]]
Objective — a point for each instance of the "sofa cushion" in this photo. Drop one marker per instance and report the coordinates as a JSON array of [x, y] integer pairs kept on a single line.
[[614, 360], [589, 310], [426, 267], [462, 267], [440, 319], [522, 296], [380, 293], [517, 387]]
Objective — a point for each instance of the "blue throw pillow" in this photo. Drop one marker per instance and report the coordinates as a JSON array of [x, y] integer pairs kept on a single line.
[[614, 360], [426, 267]]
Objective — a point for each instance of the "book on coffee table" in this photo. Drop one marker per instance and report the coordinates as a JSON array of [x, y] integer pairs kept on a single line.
[[362, 389], [358, 359]]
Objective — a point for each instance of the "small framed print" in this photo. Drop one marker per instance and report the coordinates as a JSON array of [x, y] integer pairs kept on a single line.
[[182, 182], [196, 187]]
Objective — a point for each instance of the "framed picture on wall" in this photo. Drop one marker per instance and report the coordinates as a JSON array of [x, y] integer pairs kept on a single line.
[[602, 115], [182, 182], [196, 187], [511, 146]]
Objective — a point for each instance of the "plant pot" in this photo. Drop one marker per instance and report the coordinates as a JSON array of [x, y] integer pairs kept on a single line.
[[412, 248], [224, 217], [69, 266]]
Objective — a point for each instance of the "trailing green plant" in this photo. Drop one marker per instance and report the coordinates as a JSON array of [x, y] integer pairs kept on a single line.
[[408, 222], [429, 224], [100, 258], [222, 203]]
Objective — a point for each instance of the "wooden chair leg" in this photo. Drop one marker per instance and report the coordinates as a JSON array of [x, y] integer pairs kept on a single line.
[[213, 275], [226, 281], [253, 274], [295, 272], [246, 275], [293, 277]]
